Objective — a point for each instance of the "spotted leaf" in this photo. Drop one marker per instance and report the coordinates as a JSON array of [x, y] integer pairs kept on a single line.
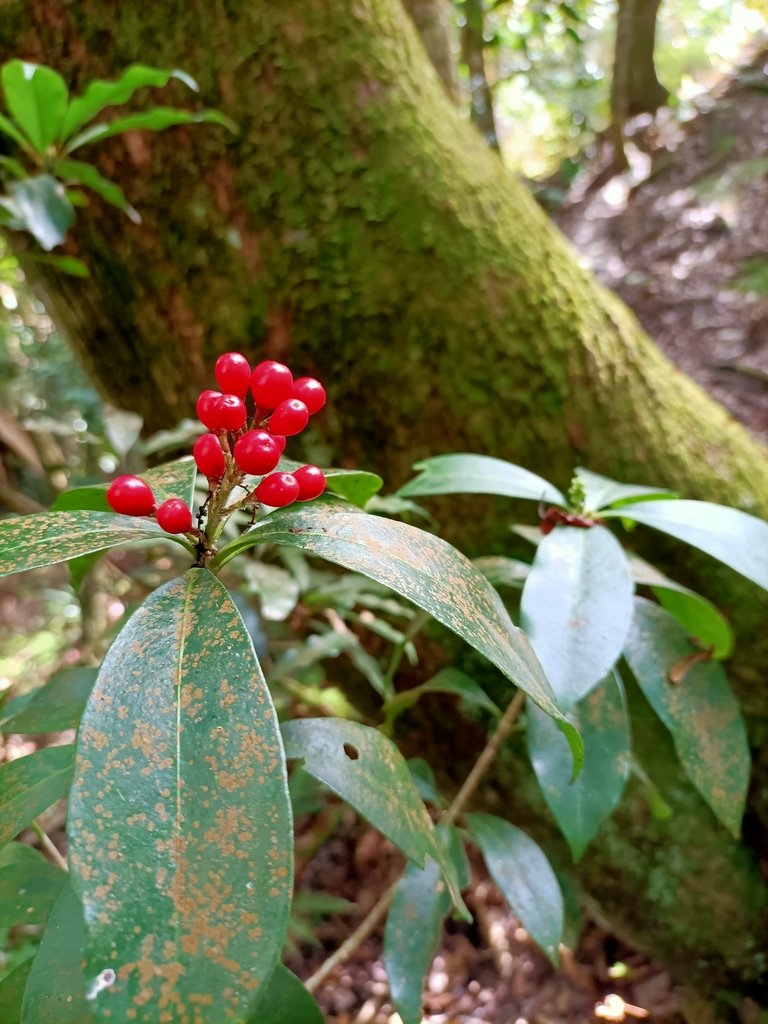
[[180, 825]]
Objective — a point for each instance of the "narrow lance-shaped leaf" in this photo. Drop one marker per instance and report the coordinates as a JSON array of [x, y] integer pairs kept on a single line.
[[36, 97], [424, 569], [86, 174], [602, 492], [694, 701], [56, 706], [7, 127], [368, 771], [412, 934], [28, 542], [580, 806], [576, 608], [155, 120], [478, 474], [100, 94], [55, 991], [732, 537], [29, 785], [180, 836], [525, 877]]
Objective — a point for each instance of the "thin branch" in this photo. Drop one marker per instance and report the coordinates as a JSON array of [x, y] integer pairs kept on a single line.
[[45, 841]]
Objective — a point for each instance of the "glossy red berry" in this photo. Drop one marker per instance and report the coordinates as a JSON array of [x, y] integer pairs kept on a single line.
[[229, 413], [281, 440], [278, 490], [233, 374], [311, 481], [257, 452], [131, 496], [271, 384], [209, 458], [289, 418], [311, 392], [174, 516], [206, 408]]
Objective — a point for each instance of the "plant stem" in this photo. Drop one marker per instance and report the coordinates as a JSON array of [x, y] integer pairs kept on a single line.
[[45, 841], [378, 912]]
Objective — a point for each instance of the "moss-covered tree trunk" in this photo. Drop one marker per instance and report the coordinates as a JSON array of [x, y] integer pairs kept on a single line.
[[358, 228]]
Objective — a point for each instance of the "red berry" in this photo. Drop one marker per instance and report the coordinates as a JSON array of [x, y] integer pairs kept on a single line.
[[311, 481], [278, 490], [205, 408], [257, 452], [209, 457], [233, 374], [174, 516], [311, 392], [290, 417], [271, 384], [229, 413], [131, 496], [280, 438]]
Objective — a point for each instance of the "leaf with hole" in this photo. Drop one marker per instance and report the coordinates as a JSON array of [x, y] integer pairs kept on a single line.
[[55, 991], [412, 934], [698, 708], [478, 474], [99, 94], [41, 206], [367, 770], [581, 806], [286, 1001], [576, 608], [155, 120], [734, 538], [29, 785], [36, 98], [423, 569], [29, 886], [185, 782], [56, 706], [525, 877]]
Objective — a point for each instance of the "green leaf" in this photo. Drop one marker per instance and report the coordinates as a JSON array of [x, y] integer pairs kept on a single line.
[[576, 608], [100, 94], [12, 993], [732, 537], [29, 785], [171, 480], [412, 935], [524, 875], [478, 474], [51, 708], [602, 492], [422, 568], [503, 572], [55, 992], [447, 680], [286, 1001], [29, 885], [36, 98], [180, 770], [699, 710], [41, 206], [277, 589], [581, 806], [367, 770], [8, 128], [28, 542], [356, 485], [64, 264], [699, 616], [424, 780], [155, 120], [86, 174]]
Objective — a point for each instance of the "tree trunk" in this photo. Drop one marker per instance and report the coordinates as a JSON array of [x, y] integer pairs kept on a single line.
[[635, 87], [357, 228], [473, 56], [432, 18]]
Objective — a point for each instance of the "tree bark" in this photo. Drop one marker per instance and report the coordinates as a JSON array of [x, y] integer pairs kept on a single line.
[[357, 228], [432, 18]]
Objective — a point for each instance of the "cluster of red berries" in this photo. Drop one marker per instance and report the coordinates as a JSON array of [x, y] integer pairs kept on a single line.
[[240, 444]]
